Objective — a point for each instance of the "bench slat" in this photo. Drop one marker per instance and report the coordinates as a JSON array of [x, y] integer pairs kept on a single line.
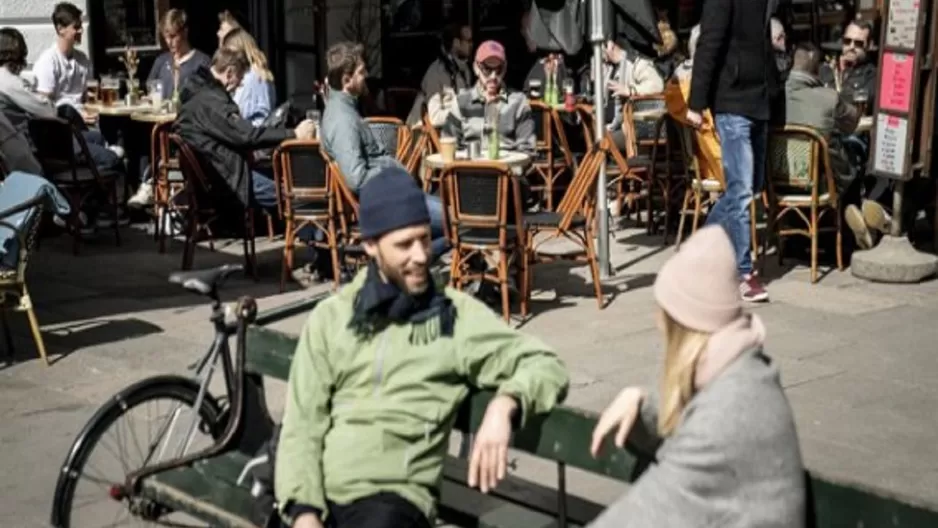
[[269, 353], [563, 436], [207, 491]]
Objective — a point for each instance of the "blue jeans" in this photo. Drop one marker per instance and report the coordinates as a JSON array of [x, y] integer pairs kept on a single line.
[[743, 144], [263, 190], [439, 244]]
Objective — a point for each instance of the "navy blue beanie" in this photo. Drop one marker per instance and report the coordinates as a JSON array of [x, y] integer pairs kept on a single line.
[[389, 201]]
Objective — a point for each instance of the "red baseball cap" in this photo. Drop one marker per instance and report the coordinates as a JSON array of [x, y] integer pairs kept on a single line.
[[489, 50]]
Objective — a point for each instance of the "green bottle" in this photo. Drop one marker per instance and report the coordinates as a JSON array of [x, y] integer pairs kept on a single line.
[[493, 143]]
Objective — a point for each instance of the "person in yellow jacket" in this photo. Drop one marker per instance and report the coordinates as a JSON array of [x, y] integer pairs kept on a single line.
[[677, 93], [380, 371]]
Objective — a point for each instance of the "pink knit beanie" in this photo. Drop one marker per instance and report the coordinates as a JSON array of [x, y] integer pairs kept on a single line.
[[699, 286]]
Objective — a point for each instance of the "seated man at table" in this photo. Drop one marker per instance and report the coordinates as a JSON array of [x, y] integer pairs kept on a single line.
[[853, 74], [477, 105], [809, 103], [358, 450], [210, 122], [349, 141]]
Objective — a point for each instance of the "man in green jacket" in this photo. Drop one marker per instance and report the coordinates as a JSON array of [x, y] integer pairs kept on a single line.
[[380, 371]]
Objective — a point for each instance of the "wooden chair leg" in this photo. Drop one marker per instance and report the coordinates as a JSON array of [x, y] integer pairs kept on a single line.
[[503, 283], [289, 242], [188, 251], [250, 254], [840, 238], [594, 269], [34, 325], [680, 222], [523, 279], [812, 230], [270, 226], [698, 205], [116, 210]]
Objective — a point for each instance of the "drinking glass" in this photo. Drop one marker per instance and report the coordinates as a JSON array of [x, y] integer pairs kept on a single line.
[[110, 87], [155, 91], [861, 98], [315, 116], [91, 91], [534, 89]]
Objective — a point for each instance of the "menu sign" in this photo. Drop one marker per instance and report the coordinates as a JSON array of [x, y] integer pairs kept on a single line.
[[889, 156], [902, 23], [896, 80]]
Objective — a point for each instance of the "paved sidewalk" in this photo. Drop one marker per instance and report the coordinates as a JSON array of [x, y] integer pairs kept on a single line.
[[857, 359]]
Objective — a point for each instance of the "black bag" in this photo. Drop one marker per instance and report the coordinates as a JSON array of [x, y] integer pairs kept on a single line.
[[558, 25], [262, 486], [282, 117]]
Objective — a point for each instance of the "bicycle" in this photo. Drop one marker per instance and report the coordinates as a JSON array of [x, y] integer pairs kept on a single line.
[[221, 419]]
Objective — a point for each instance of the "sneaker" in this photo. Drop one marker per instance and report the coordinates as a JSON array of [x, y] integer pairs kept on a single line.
[[857, 223], [106, 219], [875, 216], [751, 289], [117, 150], [142, 198]]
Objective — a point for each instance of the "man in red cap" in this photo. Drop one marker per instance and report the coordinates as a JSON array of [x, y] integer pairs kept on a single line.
[[490, 100]]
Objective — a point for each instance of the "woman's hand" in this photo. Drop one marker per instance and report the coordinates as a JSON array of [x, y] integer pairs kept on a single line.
[[618, 89], [621, 413]]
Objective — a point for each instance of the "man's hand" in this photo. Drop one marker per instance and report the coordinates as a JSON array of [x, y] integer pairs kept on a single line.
[[621, 413], [307, 520], [694, 118], [489, 460], [305, 130]]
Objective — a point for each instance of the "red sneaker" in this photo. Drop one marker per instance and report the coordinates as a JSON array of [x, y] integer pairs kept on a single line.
[[751, 289]]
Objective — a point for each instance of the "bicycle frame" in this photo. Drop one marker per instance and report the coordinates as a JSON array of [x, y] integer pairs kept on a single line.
[[245, 392]]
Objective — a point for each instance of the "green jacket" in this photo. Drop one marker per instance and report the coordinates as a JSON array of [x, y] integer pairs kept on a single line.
[[370, 415]]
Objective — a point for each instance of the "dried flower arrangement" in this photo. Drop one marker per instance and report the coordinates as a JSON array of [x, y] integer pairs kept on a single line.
[[131, 62]]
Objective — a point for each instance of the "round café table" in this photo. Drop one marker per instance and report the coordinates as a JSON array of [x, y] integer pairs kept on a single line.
[[117, 109], [433, 163], [153, 117], [516, 161]]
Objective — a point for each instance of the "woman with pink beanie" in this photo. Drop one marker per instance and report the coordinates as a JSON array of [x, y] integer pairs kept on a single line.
[[719, 426]]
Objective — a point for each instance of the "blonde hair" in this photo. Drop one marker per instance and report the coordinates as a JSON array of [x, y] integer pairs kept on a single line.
[[683, 348], [174, 20], [227, 17], [241, 40]]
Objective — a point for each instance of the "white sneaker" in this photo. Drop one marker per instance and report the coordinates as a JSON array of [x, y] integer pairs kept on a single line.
[[117, 149], [143, 197]]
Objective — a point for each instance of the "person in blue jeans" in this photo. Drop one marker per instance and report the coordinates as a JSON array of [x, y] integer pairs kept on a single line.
[[735, 77]]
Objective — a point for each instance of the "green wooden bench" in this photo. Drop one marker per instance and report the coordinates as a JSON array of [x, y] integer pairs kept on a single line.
[[208, 489]]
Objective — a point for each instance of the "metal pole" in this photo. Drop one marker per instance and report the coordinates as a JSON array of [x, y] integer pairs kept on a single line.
[[898, 190], [598, 37]]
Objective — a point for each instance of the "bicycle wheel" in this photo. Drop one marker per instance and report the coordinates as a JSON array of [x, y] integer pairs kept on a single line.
[[165, 440]]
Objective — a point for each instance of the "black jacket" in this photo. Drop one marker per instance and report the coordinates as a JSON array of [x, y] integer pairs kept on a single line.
[[734, 66], [855, 79], [209, 121]]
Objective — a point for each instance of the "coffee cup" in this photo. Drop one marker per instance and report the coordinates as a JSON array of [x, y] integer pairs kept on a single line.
[[448, 149]]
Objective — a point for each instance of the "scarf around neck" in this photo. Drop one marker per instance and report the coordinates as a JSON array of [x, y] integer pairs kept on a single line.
[[379, 302]]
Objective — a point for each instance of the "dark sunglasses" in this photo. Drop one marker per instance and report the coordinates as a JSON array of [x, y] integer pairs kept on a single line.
[[856, 42], [490, 70]]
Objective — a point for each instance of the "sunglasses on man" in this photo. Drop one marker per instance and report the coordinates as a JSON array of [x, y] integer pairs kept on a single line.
[[856, 43], [489, 71]]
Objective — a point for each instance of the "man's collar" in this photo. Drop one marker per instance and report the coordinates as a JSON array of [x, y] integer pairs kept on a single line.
[[343, 97], [804, 78]]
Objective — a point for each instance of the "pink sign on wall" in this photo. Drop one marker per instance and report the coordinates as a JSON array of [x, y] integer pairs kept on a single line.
[[895, 81]]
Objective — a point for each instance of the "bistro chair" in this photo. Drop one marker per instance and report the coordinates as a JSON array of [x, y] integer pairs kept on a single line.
[[201, 210], [571, 221], [306, 199], [552, 152], [628, 176], [800, 186], [75, 174], [168, 182], [19, 226], [417, 148], [483, 211], [391, 133]]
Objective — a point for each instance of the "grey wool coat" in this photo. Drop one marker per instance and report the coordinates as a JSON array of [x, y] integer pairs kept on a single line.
[[732, 462]]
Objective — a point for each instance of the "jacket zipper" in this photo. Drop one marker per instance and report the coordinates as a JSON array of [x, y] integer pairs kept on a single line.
[[379, 363]]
